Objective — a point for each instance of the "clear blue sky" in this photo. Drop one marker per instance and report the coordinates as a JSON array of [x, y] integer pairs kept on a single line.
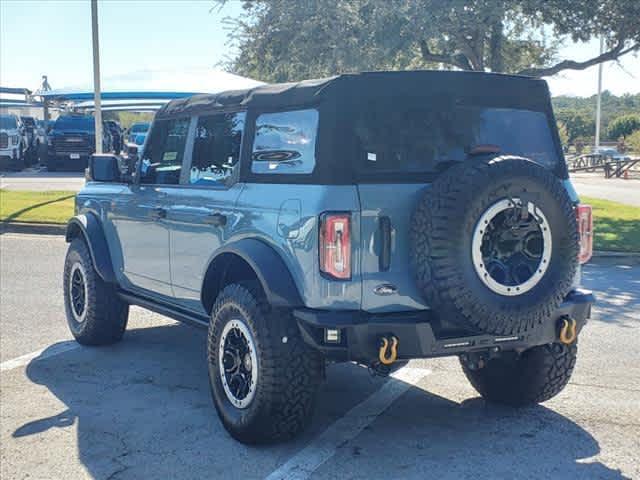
[[54, 38]]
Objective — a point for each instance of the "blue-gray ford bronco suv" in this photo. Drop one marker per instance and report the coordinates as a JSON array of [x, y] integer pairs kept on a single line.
[[373, 218]]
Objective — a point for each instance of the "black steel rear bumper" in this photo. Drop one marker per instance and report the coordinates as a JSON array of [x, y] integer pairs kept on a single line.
[[419, 335]]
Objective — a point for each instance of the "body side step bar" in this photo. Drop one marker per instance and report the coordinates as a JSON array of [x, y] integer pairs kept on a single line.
[[167, 310]]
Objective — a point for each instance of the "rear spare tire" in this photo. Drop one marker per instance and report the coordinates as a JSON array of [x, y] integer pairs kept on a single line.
[[494, 245]]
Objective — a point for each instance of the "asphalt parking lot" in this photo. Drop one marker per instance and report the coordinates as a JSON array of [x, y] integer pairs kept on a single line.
[[141, 409]]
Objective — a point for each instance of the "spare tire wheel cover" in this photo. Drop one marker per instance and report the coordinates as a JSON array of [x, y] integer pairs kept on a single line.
[[494, 244]]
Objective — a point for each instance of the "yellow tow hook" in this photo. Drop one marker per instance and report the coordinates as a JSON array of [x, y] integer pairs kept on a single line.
[[568, 331], [387, 358]]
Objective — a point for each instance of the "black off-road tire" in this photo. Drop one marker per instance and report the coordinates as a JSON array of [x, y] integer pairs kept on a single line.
[[534, 376], [106, 315], [289, 372], [441, 244]]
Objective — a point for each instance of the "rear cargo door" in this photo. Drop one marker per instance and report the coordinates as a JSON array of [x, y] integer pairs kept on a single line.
[[387, 279]]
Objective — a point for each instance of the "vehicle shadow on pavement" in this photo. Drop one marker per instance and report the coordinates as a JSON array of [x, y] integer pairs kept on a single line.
[[142, 409]]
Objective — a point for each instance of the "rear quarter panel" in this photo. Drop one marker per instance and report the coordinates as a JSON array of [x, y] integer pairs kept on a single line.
[[286, 217]]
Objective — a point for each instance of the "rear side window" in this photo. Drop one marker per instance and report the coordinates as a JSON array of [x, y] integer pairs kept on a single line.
[[216, 148], [285, 142], [163, 154]]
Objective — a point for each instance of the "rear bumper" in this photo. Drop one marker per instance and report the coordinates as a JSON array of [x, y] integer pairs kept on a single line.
[[418, 334]]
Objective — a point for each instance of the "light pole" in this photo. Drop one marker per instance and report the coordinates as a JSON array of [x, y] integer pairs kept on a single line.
[[96, 75], [598, 101]]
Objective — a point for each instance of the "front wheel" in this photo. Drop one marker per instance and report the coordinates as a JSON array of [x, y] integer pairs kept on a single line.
[[95, 314], [534, 376], [263, 377]]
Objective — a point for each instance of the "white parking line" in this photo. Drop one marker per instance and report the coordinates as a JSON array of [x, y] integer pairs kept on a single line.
[[323, 447], [41, 354]]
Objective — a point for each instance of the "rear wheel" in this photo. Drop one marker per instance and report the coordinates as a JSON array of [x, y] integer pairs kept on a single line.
[[95, 314], [534, 376], [263, 377]]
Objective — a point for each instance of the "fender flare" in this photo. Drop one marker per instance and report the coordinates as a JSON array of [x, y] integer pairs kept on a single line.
[[89, 227], [273, 274]]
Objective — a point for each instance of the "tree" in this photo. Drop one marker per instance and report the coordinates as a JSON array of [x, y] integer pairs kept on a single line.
[[633, 142], [278, 40], [563, 133], [623, 126], [579, 124]]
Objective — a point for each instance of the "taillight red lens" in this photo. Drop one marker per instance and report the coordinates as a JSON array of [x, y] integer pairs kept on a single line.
[[335, 245], [585, 232]]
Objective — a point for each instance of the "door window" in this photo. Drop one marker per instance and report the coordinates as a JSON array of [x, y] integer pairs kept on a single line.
[[163, 154], [285, 142], [216, 148]]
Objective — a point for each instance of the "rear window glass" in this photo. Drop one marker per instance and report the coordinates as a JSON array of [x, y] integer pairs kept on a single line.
[[7, 122], [75, 123], [285, 142], [140, 127], [425, 140]]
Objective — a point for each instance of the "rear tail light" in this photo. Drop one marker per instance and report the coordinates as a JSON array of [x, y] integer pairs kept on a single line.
[[335, 245], [585, 232]]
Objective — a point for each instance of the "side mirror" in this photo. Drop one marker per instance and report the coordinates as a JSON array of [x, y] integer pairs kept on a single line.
[[105, 168]]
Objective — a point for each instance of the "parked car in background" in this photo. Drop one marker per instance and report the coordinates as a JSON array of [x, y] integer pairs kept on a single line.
[[116, 135], [140, 128], [611, 153], [136, 145], [71, 142], [13, 143]]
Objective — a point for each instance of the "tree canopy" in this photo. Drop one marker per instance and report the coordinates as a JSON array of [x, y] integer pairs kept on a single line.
[[280, 40], [623, 126], [577, 114]]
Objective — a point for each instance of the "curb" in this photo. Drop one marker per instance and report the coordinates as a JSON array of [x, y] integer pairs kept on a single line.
[[608, 254], [33, 228], [615, 258]]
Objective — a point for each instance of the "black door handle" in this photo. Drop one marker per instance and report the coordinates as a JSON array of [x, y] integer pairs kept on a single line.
[[216, 219], [158, 214]]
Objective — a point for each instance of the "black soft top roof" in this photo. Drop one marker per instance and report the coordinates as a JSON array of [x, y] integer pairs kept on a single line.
[[524, 92]]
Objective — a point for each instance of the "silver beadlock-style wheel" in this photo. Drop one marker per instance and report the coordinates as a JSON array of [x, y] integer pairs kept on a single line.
[[78, 292], [511, 246], [238, 363]]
